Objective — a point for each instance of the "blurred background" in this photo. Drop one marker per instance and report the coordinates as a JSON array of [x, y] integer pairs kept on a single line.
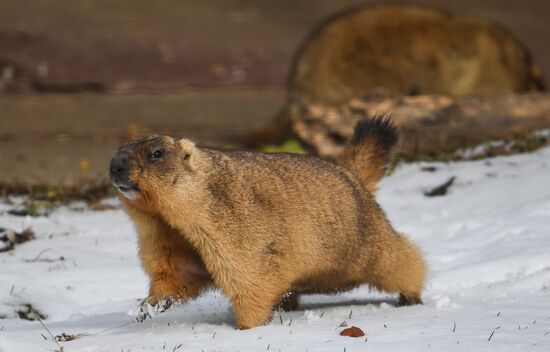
[[77, 78]]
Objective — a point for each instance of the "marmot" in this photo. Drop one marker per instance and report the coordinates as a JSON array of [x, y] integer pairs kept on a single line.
[[408, 50], [260, 226]]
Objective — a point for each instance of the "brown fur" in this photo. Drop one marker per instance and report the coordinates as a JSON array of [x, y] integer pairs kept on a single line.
[[408, 50], [259, 226]]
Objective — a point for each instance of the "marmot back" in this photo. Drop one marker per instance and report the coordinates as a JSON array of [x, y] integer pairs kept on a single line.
[[408, 50]]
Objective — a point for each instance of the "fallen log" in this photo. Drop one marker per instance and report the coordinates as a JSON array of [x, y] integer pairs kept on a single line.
[[428, 125]]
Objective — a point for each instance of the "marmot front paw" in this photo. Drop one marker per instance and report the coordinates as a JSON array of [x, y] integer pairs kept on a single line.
[[150, 307]]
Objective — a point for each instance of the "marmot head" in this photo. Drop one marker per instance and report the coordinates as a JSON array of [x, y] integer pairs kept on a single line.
[[152, 166]]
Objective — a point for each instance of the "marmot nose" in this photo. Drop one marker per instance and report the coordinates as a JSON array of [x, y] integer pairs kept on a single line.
[[119, 169]]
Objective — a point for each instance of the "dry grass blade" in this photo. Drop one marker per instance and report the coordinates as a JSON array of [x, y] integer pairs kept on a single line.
[[46, 328]]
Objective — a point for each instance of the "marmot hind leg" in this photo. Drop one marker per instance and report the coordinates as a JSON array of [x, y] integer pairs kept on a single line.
[[408, 301], [398, 266]]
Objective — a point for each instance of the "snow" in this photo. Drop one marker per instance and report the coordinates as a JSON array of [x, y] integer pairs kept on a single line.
[[487, 243]]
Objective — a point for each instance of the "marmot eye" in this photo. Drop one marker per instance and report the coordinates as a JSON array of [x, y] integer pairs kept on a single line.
[[157, 154]]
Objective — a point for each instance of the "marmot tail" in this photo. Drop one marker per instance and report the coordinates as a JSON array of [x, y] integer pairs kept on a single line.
[[368, 153]]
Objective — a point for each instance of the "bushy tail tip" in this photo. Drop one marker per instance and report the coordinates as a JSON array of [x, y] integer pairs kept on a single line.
[[380, 129], [369, 150]]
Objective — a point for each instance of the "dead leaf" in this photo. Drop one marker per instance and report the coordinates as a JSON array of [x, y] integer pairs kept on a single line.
[[440, 190], [354, 331], [64, 337]]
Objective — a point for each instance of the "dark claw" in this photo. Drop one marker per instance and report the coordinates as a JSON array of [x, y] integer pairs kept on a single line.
[[288, 302], [408, 301]]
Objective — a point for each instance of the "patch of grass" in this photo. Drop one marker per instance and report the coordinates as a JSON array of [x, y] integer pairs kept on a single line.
[[290, 145], [33, 208], [48, 193]]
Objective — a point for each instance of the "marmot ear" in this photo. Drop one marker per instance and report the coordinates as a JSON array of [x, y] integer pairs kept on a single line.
[[187, 150]]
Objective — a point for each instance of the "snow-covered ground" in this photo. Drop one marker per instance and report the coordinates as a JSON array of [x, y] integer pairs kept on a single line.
[[487, 243]]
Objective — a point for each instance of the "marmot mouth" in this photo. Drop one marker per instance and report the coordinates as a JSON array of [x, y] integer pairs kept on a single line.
[[130, 192], [128, 189]]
